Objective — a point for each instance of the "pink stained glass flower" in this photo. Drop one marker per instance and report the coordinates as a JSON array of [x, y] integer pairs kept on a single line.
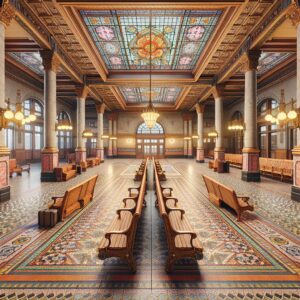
[[195, 33], [106, 33], [185, 60], [115, 60]]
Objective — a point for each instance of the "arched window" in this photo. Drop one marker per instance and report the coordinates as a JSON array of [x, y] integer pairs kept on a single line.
[[64, 137], [143, 129], [33, 133], [237, 135]]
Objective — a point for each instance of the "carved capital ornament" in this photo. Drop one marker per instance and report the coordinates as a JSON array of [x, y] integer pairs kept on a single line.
[[7, 13], [294, 14], [50, 60], [199, 108], [250, 60]]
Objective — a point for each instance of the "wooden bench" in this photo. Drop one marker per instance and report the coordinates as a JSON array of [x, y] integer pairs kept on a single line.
[[282, 168], [65, 172], [161, 173], [93, 161], [119, 238], [218, 193], [14, 167], [181, 237], [235, 160], [74, 198], [140, 172]]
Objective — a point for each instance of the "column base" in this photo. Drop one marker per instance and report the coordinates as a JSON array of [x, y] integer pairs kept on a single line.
[[200, 156], [48, 177], [219, 153], [5, 193], [295, 193], [251, 176], [49, 160], [100, 154], [80, 155]]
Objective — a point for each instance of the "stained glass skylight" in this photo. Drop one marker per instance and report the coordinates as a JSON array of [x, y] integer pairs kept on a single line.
[[31, 60], [269, 60], [136, 95], [123, 37]]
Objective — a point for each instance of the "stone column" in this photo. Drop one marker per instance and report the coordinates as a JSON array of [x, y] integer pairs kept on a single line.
[[100, 147], [7, 13], [190, 141], [250, 168], [185, 134], [294, 15], [115, 130], [200, 131], [110, 133], [219, 151], [49, 155], [80, 150]]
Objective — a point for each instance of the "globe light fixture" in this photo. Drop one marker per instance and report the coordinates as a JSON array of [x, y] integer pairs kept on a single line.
[[292, 115], [87, 133]]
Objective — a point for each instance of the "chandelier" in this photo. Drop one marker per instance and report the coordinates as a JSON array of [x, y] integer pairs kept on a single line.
[[150, 115], [64, 125], [87, 133], [213, 134], [283, 115], [235, 125], [18, 117]]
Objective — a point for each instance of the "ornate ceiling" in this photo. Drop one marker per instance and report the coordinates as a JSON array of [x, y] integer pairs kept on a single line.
[[178, 37], [195, 45]]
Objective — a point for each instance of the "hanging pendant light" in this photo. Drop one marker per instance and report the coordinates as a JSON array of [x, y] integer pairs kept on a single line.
[[150, 115]]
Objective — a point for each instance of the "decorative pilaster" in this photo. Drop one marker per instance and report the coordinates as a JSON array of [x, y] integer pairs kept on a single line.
[[100, 147], [7, 13], [219, 151], [110, 133], [114, 144], [185, 133], [294, 15], [188, 131], [190, 141], [49, 155], [200, 130], [80, 151], [250, 168]]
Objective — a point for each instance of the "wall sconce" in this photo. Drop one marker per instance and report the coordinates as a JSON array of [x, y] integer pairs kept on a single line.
[[172, 141], [105, 137], [195, 137], [187, 138], [113, 138]]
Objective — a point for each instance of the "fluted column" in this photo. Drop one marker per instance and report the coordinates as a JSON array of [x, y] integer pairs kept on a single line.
[[49, 155], [7, 13], [219, 151], [115, 131], [80, 150], [100, 147], [294, 15], [200, 130], [185, 135], [190, 141], [250, 168], [110, 133]]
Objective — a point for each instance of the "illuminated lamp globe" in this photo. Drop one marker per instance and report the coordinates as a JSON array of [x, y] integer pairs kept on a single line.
[[8, 114], [292, 115], [32, 117], [23, 122], [281, 116], [268, 117], [229, 127], [19, 116], [27, 120]]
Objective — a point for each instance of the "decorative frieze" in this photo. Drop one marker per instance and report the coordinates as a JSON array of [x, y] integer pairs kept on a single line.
[[294, 14]]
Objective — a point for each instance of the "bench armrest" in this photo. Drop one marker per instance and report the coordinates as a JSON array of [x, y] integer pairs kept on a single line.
[[55, 198], [134, 188], [244, 198], [176, 209], [123, 209], [167, 188], [171, 198], [110, 233], [191, 233], [129, 198]]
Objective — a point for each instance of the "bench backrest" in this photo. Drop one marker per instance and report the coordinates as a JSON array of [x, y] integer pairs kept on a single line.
[[88, 187], [12, 163]]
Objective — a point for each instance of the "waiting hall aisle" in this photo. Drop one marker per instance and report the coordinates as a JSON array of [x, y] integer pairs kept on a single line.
[[252, 259]]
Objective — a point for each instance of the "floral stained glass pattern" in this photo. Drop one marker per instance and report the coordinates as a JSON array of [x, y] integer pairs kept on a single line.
[[167, 95], [31, 60], [177, 39]]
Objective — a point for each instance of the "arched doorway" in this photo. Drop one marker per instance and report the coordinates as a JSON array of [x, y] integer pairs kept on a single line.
[[237, 136], [150, 142]]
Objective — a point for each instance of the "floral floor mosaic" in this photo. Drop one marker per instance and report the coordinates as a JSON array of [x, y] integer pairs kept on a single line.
[[253, 259]]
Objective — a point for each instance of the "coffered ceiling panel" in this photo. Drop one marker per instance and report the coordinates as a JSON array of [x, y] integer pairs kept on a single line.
[[167, 95], [123, 37]]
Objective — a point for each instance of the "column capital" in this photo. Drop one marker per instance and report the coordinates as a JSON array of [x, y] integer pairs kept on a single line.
[[113, 116], [294, 14], [50, 60], [82, 91], [100, 108], [250, 60], [200, 108], [187, 116], [7, 13], [218, 91]]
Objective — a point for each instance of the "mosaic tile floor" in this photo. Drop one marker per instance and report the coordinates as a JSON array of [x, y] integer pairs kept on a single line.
[[258, 258]]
